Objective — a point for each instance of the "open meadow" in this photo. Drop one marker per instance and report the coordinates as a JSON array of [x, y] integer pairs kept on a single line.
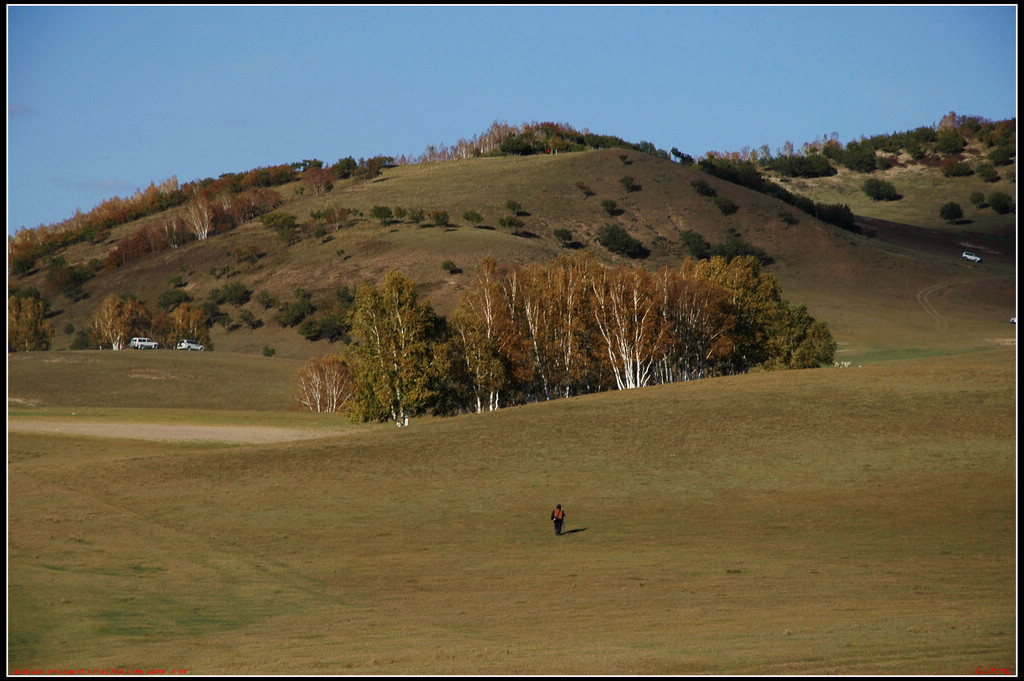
[[857, 520], [175, 511]]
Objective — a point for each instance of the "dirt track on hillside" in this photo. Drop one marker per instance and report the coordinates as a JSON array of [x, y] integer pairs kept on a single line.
[[167, 432]]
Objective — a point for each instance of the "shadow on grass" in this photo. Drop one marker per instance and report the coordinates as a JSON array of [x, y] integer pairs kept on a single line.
[[578, 529]]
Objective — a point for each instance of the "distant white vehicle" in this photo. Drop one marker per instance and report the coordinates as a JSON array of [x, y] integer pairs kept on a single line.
[[967, 255], [189, 345], [144, 344]]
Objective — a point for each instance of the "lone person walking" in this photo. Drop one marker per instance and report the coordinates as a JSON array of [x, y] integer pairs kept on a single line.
[[558, 517]]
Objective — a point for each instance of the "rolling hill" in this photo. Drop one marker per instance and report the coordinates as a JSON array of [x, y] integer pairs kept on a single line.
[[868, 288], [175, 512]]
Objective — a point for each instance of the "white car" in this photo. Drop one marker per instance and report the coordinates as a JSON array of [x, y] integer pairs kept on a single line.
[[144, 344], [189, 345], [967, 255]]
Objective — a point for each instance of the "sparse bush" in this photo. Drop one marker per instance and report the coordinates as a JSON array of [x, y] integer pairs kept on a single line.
[[510, 222], [265, 299], [880, 190], [703, 188], [243, 254], [788, 217], [617, 240], [247, 318], [472, 217], [696, 244], [292, 314], [977, 199], [610, 206], [564, 236], [736, 246], [814, 165], [268, 351], [629, 183], [172, 298], [951, 212], [587, 191], [234, 293], [450, 267], [954, 167], [438, 217], [382, 214], [950, 142], [1002, 155], [284, 224], [726, 205], [987, 172], [83, 340], [1001, 202]]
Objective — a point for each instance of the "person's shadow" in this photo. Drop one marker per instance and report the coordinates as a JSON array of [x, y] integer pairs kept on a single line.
[[578, 529]]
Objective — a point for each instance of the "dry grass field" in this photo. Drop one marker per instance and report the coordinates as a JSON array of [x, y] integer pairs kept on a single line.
[[834, 521], [175, 511]]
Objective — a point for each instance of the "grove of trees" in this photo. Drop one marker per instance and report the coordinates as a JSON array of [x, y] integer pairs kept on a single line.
[[573, 326]]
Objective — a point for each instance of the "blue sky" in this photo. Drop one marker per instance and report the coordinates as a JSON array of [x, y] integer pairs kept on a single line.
[[102, 101]]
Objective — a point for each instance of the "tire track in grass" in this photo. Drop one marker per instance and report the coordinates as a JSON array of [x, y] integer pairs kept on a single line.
[[924, 298]]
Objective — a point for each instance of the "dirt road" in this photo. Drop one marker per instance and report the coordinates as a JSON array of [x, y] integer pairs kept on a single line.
[[167, 432]]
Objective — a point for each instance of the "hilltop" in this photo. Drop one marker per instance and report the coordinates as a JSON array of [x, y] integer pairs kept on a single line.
[[868, 285]]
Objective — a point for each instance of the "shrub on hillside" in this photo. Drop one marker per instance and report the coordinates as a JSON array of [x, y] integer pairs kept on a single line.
[[813, 165], [950, 142], [563, 235], [987, 172], [284, 224], [382, 214], [703, 188], [617, 240], [1001, 202], [172, 298], [510, 222], [735, 246], [951, 212], [291, 314], [953, 167], [880, 190], [234, 293], [859, 156], [727, 206], [696, 244], [1002, 155], [838, 214], [438, 217]]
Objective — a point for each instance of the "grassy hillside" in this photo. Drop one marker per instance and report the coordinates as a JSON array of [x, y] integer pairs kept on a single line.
[[831, 271], [175, 511], [833, 521]]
